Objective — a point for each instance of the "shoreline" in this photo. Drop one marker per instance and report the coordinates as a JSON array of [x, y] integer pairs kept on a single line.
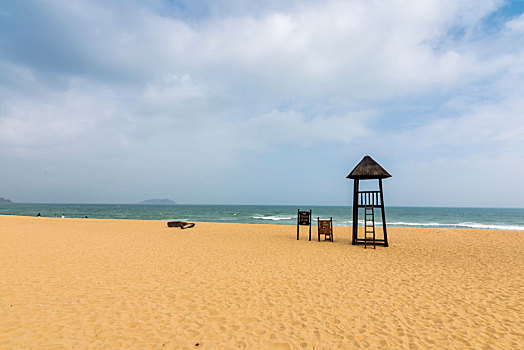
[[390, 226]]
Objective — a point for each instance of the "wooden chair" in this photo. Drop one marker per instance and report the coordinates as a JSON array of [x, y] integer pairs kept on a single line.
[[325, 227]]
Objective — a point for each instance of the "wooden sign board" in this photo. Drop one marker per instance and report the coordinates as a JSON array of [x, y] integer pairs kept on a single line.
[[304, 218], [324, 227]]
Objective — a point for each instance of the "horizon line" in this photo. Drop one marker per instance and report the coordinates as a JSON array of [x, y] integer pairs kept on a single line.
[[283, 205]]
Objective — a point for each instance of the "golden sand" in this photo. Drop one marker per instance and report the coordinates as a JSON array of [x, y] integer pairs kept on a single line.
[[79, 283]]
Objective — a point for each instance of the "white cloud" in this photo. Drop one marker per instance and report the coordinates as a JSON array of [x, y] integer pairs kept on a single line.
[[80, 121], [172, 92], [516, 25], [323, 48], [275, 128], [128, 82], [482, 125]]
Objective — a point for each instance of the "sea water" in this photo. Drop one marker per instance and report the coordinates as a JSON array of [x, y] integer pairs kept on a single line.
[[482, 218]]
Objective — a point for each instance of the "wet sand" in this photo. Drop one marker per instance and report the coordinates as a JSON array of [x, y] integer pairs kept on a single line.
[[79, 283]]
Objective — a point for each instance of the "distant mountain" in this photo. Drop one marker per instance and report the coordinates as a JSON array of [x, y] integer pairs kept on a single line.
[[5, 200], [164, 201]]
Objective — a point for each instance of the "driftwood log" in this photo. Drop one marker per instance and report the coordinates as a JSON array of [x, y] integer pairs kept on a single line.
[[182, 224]]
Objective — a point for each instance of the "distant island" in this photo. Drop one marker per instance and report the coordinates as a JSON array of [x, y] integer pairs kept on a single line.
[[5, 200], [158, 201]]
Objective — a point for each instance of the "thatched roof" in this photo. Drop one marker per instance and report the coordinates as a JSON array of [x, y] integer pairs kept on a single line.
[[368, 169]]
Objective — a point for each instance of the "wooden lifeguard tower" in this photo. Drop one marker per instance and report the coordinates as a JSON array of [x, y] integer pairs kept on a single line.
[[368, 169]]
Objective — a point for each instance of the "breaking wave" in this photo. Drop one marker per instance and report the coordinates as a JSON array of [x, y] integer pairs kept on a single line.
[[460, 225], [273, 218]]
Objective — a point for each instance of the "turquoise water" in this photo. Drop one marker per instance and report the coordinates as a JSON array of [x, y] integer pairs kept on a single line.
[[484, 218]]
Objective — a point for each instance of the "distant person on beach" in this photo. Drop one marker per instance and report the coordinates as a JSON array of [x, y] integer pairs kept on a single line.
[[63, 216], [38, 215]]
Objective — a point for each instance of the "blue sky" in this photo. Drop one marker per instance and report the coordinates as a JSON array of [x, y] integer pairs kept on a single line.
[[250, 102]]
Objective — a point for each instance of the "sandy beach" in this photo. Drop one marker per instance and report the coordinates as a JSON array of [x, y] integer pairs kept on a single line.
[[87, 283]]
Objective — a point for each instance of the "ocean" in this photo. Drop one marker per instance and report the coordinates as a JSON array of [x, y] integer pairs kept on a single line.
[[478, 218]]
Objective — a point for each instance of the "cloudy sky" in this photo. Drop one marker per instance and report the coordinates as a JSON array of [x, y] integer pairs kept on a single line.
[[261, 102]]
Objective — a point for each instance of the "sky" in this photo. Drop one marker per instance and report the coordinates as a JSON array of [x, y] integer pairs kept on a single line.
[[261, 102]]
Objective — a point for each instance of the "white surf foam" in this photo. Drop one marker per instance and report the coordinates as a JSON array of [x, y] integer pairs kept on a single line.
[[490, 226], [461, 225], [401, 223], [273, 218]]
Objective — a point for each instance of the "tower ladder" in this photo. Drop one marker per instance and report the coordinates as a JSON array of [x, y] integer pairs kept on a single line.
[[369, 225]]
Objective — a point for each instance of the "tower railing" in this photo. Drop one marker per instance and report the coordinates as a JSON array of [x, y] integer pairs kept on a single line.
[[369, 198]]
